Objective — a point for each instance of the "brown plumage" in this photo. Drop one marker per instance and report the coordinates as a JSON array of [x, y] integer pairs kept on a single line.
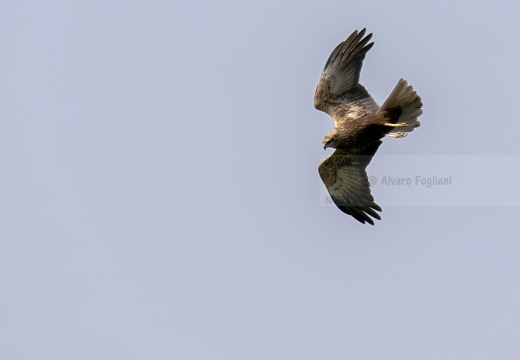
[[359, 125]]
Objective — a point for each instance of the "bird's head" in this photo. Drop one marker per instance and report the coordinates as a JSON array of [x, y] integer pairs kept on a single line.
[[330, 140]]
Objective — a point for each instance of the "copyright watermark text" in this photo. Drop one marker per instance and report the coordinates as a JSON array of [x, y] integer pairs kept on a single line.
[[417, 180]]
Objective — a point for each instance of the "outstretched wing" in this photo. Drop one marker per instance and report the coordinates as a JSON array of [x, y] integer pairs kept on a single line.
[[346, 180], [339, 93]]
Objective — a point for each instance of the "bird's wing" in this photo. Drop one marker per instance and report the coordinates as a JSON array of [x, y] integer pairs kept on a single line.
[[339, 93], [346, 180]]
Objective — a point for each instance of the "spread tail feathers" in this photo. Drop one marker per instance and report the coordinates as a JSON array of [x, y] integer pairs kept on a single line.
[[405, 100]]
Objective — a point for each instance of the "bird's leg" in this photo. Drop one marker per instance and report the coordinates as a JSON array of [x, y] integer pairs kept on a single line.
[[396, 125], [397, 135]]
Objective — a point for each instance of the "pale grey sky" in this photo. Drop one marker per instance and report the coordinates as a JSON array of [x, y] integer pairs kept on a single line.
[[160, 196]]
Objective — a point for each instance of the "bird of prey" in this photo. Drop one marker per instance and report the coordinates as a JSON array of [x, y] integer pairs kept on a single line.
[[359, 125]]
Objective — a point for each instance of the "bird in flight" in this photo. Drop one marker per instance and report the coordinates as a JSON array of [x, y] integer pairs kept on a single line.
[[359, 125]]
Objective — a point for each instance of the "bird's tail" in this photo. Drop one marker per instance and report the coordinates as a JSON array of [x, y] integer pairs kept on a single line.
[[403, 107]]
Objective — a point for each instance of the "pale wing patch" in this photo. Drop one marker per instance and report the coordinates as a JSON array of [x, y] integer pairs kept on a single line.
[[351, 111]]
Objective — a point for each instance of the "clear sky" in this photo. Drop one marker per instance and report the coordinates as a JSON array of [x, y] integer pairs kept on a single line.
[[160, 197]]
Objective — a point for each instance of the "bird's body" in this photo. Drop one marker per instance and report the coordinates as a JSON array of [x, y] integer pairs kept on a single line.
[[359, 125]]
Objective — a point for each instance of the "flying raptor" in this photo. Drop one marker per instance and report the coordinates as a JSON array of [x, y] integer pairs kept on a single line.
[[359, 125]]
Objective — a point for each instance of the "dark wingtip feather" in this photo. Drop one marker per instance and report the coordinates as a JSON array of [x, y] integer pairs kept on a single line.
[[376, 207], [372, 213], [361, 214]]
